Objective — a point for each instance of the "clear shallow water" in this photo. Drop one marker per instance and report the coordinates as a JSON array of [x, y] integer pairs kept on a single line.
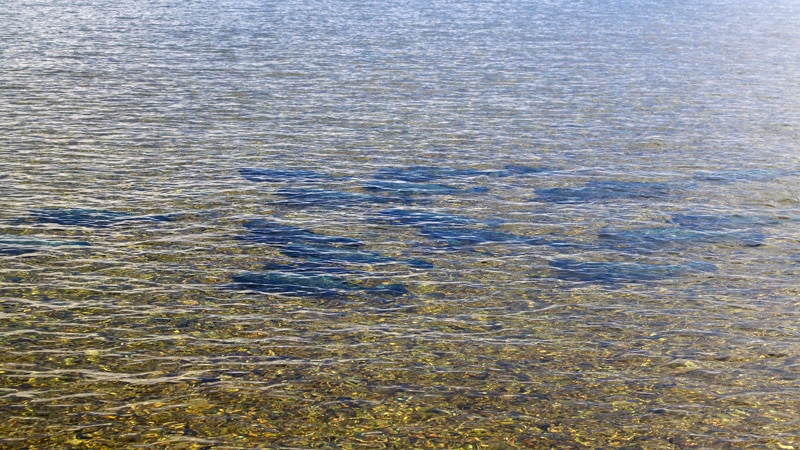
[[416, 225]]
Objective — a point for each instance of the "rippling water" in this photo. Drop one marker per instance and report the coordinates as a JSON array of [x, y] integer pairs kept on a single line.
[[446, 224]]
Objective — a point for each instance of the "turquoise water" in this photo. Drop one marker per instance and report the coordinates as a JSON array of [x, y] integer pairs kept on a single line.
[[445, 224]]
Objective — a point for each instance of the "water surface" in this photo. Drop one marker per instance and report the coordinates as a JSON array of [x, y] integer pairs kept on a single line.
[[447, 224]]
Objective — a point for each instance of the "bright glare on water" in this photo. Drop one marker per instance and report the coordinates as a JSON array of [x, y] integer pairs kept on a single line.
[[447, 224]]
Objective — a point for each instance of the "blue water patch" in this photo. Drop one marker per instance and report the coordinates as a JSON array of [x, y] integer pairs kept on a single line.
[[92, 218], [658, 238], [452, 230], [462, 236], [406, 188], [746, 230], [720, 222], [417, 218], [337, 255], [12, 250], [312, 268], [282, 175], [319, 267], [516, 169], [623, 272], [308, 285], [324, 198], [421, 174], [737, 175], [269, 232], [602, 191]]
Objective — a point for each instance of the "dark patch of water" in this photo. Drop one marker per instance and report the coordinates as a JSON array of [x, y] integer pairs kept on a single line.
[[337, 255], [309, 285], [324, 198], [463, 236], [406, 188], [16, 245], [601, 191], [92, 218], [282, 175], [418, 218], [421, 174], [269, 232], [657, 238], [622, 272], [737, 175]]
